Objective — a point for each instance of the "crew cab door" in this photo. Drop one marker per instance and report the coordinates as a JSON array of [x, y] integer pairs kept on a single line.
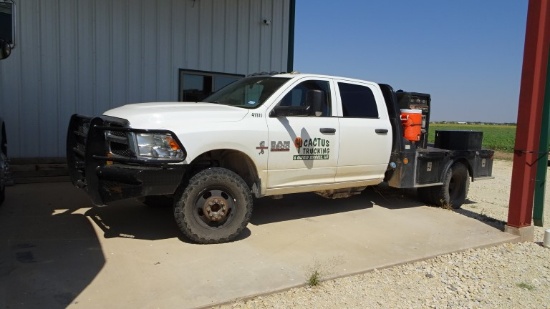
[[303, 147], [365, 132]]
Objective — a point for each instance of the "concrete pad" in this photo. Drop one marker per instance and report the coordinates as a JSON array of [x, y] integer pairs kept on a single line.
[[57, 251]]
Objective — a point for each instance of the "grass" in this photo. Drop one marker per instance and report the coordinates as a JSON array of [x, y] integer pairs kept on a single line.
[[314, 278], [525, 286], [446, 205], [495, 137]]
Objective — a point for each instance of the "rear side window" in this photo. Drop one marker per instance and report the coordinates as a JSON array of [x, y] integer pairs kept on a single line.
[[357, 101]]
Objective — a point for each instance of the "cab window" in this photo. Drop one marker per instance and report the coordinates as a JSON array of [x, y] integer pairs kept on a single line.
[[297, 96], [357, 101]]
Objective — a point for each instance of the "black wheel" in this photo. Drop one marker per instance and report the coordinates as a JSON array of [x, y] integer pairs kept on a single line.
[[455, 187], [214, 207], [157, 200]]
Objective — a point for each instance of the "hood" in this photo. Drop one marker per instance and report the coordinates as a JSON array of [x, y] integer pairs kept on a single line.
[[160, 115]]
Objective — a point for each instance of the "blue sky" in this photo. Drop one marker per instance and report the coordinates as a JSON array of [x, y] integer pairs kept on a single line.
[[467, 54]]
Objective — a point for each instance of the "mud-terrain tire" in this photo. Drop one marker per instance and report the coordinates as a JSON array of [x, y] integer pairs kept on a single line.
[[454, 190], [215, 206]]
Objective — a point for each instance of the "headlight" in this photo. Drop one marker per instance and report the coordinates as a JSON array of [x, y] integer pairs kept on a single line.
[[158, 146]]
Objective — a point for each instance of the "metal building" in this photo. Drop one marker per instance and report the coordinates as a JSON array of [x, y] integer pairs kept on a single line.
[[88, 56]]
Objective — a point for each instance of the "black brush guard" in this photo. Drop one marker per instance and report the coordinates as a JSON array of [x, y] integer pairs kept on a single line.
[[102, 161]]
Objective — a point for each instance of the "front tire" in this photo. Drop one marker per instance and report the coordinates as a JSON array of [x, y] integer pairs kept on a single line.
[[215, 206]]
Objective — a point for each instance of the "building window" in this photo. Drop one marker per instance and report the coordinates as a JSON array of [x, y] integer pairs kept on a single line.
[[357, 101], [197, 85]]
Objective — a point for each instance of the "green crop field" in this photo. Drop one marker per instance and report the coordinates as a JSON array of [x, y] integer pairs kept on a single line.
[[495, 137]]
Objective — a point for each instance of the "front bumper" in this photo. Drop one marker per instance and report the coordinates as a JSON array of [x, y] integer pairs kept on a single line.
[[101, 162]]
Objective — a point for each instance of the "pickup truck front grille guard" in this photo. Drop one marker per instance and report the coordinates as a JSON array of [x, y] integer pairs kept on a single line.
[[77, 137], [99, 141]]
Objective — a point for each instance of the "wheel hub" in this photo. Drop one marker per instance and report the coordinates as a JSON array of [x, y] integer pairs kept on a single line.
[[215, 209]]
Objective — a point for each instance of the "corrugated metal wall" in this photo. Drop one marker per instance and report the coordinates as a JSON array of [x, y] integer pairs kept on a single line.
[[87, 56]]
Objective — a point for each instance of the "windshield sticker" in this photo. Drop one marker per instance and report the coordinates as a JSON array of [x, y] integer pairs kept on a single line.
[[262, 147], [251, 102], [278, 146], [312, 148]]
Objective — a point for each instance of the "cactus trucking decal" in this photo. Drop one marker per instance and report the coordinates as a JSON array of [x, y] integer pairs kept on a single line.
[[312, 148]]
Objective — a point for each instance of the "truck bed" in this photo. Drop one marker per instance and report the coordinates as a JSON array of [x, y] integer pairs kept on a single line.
[[424, 167]]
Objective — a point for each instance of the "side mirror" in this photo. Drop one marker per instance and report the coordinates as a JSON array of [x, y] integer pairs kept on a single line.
[[315, 100]]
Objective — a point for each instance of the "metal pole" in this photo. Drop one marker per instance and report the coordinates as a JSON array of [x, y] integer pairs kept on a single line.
[[535, 57], [540, 186]]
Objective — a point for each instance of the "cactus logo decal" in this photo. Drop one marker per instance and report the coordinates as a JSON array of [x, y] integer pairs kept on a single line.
[[312, 148]]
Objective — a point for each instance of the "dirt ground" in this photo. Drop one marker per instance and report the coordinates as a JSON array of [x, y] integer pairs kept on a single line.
[[488, 200]]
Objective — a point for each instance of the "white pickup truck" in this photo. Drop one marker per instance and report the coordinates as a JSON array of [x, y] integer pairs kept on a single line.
[[270, 135]]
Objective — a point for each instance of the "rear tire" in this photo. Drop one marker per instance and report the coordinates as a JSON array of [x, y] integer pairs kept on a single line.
[[453, 192], [215, 207]]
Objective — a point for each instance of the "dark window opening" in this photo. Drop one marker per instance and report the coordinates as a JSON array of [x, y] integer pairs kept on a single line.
[[194, 86], [357, 101], [6, 22], [297, 96]]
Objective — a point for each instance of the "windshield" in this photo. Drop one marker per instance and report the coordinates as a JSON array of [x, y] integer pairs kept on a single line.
[[249, 92]]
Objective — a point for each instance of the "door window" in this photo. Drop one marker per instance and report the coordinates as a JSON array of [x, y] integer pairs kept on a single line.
[[357, 101], [298, 95]]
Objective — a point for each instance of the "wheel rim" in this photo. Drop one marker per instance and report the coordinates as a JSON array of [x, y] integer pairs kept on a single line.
[[214, 207]]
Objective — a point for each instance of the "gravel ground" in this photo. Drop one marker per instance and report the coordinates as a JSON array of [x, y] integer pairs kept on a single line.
[[506, 276]]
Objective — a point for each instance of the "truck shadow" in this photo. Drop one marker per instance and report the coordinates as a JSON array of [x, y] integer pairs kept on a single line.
[[49, 252], [392, 198], [303, 205], [307, 205], [132, 219]]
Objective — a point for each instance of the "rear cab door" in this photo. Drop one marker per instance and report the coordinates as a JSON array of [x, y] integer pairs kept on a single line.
[[365, 132]]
